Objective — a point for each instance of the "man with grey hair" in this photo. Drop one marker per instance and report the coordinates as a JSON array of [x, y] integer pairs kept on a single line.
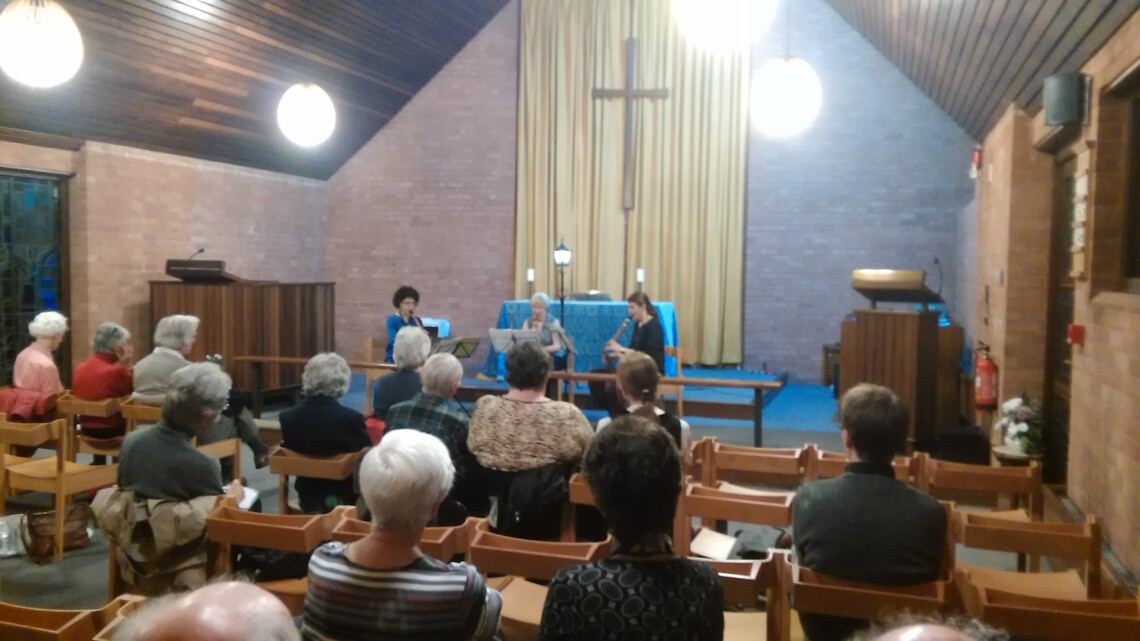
[[223, 611], [411, 350], [433, 411], [321, 426], [107, 374], [902, 532], [174, 338]]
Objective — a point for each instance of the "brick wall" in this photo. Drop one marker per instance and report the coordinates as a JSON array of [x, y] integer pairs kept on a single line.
[[430, 200], [1104, 426], [879, 180]]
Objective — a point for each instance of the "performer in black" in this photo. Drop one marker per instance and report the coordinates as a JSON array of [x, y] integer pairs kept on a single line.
[[648, 338]]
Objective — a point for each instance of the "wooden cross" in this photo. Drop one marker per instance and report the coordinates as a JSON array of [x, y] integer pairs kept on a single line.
[[629, 94]]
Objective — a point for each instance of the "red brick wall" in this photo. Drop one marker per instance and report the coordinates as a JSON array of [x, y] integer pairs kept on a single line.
[[429, 201]]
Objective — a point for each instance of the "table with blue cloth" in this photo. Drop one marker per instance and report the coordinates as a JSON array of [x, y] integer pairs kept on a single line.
[[589, 324]]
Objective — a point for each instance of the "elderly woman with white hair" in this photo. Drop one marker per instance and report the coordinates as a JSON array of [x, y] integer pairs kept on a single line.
[[549, 330], [411, 350], [383, 585], [35, 368], [321, 426], [107, 374]]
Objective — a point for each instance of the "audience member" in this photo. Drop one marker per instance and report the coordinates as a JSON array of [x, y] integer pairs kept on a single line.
[[411, 350], [405, 301], [321, 426], [35, 369], [383, 585], [643, 590], [637, 378], [432, 411], [222, 611], [902, 531], [156, 517], [963, 628], [107, 374], [174, 338]]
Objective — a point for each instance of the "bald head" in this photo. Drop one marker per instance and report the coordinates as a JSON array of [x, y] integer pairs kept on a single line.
[[226, 611], [923, 632], [963, 628]]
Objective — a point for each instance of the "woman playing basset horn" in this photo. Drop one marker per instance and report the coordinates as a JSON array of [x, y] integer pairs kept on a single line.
[[648, 338]]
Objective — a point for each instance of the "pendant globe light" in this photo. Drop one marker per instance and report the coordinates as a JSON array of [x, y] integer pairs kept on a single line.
[[40, 45], [786, 94], [306, 115], [723, 25]]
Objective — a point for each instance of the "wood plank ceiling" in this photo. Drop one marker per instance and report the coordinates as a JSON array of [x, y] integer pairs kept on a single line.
[[202, 78], [974, 57]]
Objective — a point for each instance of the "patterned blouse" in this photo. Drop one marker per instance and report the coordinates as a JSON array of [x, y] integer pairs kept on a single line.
[[513, 435], [676, 599]]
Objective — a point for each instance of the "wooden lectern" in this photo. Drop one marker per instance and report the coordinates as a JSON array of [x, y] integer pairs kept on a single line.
[[242, 317], [895, 349]]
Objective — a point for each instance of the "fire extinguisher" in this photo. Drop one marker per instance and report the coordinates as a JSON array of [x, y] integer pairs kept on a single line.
[[985, 381]]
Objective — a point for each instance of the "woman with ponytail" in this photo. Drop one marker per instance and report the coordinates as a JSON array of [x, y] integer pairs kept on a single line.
[[637, 378]]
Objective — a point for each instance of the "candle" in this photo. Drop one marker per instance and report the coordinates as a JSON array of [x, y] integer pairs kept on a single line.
[[530, 275], [640, 275]]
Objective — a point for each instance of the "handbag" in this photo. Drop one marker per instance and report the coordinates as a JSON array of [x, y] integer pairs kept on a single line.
[[37, 531]]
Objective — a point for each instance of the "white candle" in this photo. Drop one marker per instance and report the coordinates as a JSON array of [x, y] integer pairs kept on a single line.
[[640, 275], [530, 275]]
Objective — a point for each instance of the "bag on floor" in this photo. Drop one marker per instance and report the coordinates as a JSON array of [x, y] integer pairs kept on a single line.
[[37, 531]]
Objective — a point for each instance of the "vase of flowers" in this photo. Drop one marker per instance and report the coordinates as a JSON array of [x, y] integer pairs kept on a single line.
[[1022, 425]]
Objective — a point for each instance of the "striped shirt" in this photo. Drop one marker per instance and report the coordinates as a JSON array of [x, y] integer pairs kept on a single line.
[[426, 600]]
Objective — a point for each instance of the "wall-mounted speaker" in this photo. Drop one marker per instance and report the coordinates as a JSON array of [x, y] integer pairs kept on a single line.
[[1065, 97]]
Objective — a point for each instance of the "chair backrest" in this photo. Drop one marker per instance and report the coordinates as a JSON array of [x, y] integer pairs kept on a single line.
[[506, 555], [440, 542], [229, 447], [31, 434], [779, 467], [1046, 618], [37, 624], [289, 532], [71, 405], [828, 465], [940, 476], [820, 594], [135, 413], [1070, 541], [728, 502], [287, 462], [114, 613], [580, 493]]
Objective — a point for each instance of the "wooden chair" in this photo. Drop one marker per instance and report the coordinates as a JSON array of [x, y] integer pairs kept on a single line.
[[1023, 484], [229, 447], [228, 526], [769, 467], [285, 463], [744, 583], [72, 408], [374, 349], [1049, 617], [727, 502], [828, 465], [136, 413], [1069, 541], [55, 475], [127, 604], [439, 542], [811, 592], [37, 624], [677, 389], [506, 555]]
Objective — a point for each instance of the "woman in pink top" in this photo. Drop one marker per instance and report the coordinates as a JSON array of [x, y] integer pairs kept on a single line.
[[35, 367]]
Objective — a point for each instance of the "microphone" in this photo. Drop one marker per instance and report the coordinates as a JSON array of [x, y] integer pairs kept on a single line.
[[200, 251]]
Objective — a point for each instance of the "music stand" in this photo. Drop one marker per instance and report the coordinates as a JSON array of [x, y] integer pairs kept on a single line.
[[504, 340], [460, 347]]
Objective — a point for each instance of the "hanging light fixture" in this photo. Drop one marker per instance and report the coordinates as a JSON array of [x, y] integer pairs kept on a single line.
[[40, 45], [786, 94], [306, 115], [723, 25]]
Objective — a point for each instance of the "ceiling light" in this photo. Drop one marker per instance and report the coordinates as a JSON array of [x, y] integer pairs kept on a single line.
[[786, 97], [306, 115], [40, 45], [723, 25]]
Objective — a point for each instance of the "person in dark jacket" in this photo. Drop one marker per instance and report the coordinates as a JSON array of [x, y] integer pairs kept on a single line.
[[321, 426]]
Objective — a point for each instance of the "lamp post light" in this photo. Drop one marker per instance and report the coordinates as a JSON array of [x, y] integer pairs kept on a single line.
[[562, 261]]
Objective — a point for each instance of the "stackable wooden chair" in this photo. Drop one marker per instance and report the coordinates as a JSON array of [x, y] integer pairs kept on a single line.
[[136, 413], [828, 465], [745, 582], [55, 474], [285, 463], [36, 624], [760, 466], [506, 555], [72, 407], [1021, 484], [727, 502], [440, 542]]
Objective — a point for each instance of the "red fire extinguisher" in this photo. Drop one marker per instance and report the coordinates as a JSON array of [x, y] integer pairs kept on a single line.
[[985, 381]]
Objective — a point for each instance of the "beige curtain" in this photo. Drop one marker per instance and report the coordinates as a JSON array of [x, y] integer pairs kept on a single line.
[[686, 228]]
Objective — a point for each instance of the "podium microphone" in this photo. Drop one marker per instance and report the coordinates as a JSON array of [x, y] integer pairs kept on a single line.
[[201, 250]]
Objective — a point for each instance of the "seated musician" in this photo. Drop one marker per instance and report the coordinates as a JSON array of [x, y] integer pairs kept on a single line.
[[405, 301], [411, 351], [107, 374], [321, 426], [549, 330], [902, 531], [160, 466], [648, 338], [637, 378]]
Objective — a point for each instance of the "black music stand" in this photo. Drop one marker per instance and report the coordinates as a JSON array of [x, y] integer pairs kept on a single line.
[[460, 347]]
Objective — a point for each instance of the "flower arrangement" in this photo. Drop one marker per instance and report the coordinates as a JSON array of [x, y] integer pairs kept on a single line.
[[1022, 425]]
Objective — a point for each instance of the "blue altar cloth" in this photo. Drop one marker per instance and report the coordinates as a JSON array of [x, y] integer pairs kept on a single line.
[[589, 324]]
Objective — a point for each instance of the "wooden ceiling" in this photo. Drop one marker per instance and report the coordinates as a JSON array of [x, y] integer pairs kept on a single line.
[[202, 78], [974, 57]]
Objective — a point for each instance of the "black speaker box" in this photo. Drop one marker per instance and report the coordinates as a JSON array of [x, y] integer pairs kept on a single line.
[[1064, 98]]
